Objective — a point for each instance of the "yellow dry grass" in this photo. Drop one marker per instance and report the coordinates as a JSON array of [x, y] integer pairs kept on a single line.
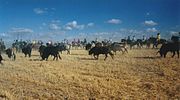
[[140, 74]]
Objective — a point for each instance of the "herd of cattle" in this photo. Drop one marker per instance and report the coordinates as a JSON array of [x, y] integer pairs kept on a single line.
[[96, 48]]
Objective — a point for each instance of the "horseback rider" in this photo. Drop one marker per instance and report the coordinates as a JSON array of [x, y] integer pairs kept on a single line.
[[158, 37], [175, 38], [133, 38], [144, 38]]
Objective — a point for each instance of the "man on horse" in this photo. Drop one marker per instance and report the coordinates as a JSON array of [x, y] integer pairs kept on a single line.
[[158, 38]]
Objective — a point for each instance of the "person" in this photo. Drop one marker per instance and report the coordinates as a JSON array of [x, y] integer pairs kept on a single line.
[[144, 38], [85, 41], [110, 40], [96, 40], [50, 43], [78, 41], [158, 37], [74, 41], [133, 38], [128, 38]]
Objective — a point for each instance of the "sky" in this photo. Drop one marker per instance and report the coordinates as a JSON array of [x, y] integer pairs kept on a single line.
[[103, 19]]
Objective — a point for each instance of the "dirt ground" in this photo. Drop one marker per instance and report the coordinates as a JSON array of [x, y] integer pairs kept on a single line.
[[140, 74]]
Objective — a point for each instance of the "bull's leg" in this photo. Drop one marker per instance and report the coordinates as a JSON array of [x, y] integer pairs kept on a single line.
[[165, 55], [178, 53], [112, 56], [14, 56], [105, 57], [59, 57], [55, 56], [94, 56], [68, 52], [29, 55], [97, 57], [173, 54], [126, 50], [47, 57]]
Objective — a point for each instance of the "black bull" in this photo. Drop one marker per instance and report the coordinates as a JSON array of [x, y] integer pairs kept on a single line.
[[169, 47], [96, 51], [10, 53], [45, 52], [27, 50]]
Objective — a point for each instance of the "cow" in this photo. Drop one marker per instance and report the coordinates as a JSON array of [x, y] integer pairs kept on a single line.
[[118, 47], [50, 50], [10, 53], [169, 47], [96, 51], [27, 50]]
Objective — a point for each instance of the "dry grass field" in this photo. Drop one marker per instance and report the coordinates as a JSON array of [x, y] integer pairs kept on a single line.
[[140, 74]]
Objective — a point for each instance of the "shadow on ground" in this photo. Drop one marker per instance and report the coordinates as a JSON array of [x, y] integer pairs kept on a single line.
[[86, 58], [155, 57]]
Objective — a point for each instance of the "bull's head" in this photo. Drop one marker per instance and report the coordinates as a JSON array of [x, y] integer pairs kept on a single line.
[[90, 52], [160, 52]]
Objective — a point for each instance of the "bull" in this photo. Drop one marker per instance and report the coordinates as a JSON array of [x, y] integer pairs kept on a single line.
[[27, 50], [96, 51], [169, 47], [50, 50], [10, 53], [118, 47]]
